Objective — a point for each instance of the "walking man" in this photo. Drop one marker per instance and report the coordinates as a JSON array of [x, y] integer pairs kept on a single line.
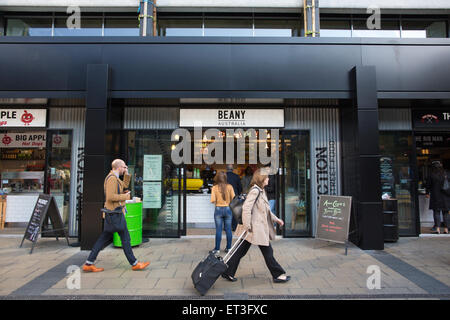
[[115, 221]]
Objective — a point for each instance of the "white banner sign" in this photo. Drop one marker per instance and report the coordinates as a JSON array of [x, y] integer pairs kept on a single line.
[[239, 118], [23, 118], [23, 140]]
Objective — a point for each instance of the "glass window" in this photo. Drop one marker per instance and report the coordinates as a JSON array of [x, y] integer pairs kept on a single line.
[[180, 28], [228, 28], [397, 177], [335, 28], [29, 27], [424, 29], [277, 28], [89, 27], [389, 29], [121, 27]]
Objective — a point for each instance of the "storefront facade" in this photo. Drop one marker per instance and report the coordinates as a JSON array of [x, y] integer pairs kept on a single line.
[[331, 141], [38, 154]]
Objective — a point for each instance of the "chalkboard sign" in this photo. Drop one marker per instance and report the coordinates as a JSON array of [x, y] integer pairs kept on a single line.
[[44, 208], [333, 218]]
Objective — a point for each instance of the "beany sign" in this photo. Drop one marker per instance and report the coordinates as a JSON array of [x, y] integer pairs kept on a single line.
[[23, 118]]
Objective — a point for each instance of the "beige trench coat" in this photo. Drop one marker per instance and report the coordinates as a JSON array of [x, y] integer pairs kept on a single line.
[[261, 221]]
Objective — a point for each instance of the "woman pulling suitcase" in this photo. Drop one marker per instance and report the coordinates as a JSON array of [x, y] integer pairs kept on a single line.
[[259, 221]]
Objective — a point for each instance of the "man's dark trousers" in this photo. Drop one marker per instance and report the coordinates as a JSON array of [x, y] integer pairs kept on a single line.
[[110, 227]]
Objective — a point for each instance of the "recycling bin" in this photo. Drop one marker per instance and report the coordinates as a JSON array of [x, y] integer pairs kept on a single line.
[[134, 224]]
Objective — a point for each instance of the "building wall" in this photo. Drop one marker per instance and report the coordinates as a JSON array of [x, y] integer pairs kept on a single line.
[[128, 5]]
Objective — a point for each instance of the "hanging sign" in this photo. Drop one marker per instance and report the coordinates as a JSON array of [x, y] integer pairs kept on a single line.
[[23, 118], [23, 139]]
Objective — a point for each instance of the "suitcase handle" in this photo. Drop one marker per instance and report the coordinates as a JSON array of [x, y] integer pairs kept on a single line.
[[236, 246]]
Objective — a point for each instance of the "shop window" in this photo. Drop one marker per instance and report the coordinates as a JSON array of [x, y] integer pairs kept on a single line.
[[397, 178], [335, 28], [89, 27], [121, 27], [29, 27], [180, 27], [389, 29], [424, 29]]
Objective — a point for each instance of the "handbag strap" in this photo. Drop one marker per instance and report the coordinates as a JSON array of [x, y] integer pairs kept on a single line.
[[251, 212]]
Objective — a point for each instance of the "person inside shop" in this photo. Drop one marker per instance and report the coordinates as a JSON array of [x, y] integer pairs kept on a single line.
[[246, 179], [235, 182], [221, 195], [271, 192], [207, 175], [115, 198], [258, 221], [439, 198]]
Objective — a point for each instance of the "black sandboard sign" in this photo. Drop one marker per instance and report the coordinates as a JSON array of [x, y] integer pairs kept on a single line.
[[333, 218], [44, 208]]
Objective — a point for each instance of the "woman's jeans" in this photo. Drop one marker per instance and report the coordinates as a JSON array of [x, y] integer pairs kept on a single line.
[[223, 217], [437, 218]]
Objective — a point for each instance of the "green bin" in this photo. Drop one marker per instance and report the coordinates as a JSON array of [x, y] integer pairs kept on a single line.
[[134, 224]]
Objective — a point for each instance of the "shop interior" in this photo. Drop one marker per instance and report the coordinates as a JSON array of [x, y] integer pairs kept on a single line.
[[430, 147], [22, 179]]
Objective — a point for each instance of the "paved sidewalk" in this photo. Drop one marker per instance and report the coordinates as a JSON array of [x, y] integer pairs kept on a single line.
[[410, 268]]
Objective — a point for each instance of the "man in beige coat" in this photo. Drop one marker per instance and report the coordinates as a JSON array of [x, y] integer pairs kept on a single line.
[[115, 198], [258, 221]]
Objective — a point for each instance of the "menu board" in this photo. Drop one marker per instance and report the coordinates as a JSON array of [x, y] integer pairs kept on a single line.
[[151, 194], [45, 207], [152, 167], [333, 218], [386, 176]]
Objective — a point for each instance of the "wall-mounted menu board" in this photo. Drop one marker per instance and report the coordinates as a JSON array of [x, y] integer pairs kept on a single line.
[[333, 218]]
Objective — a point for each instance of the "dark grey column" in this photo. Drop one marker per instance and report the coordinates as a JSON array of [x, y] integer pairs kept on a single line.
[[2, 25], [361, 169], [94, 161]]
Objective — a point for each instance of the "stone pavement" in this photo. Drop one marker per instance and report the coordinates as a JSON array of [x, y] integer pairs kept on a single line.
[[410, 268]]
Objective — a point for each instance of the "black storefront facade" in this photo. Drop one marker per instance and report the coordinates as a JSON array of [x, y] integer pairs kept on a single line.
[[360, 75]]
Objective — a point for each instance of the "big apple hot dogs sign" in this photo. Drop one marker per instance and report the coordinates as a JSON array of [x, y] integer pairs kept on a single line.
[[25, 118]]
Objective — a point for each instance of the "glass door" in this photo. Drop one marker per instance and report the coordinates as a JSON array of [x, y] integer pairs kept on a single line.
[[157, 181], [59, 155], [295, 184]]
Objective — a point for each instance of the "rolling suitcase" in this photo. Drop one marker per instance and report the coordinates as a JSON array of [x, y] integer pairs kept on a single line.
[[208, 270]]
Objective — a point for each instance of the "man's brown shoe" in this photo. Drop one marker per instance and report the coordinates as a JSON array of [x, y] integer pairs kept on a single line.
[[140, 266], [92, 268]]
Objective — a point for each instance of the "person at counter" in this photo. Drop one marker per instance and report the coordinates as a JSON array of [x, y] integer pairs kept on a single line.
[[221, 195]]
